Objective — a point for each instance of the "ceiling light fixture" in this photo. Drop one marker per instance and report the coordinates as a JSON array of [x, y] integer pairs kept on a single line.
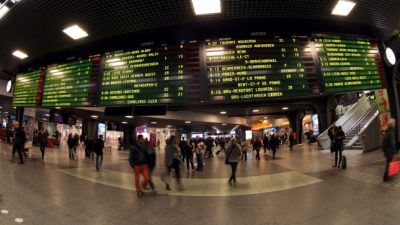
[[285, 108], [203, 7], [168, 126], [3, 11], [153, 122], [343, 8], [20, 54], [224, 124], [47, 114], [188, 122], [265, 117], [124, 122], [58, 107], [75, 32], [129, 116], [255, 110], [222, 112], [94, 116]]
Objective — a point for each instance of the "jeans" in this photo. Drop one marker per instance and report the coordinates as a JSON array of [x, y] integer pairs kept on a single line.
[[209, 152], [189, 159], [257, 154], [71, 153], [336, 156], [175, 166], [42, 149], [233, 174], [17, 148], [141, 169], [273, 152], [199, 157], [99, 160], [389, 158], [244, 155]]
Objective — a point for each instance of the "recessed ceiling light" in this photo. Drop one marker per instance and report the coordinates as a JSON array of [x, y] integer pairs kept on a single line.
[[129, 116], [285, 108], [168, 126], [47, 114], [94, 116], [15, 107], [3, 11], [44, 119], [20, 54], [75, 32], [187, 121], [224, 124], [1, 107], [58, 107], [153, 122], [202, 7], [124, 122], [343, 8], [265, 117], [255, 110], [222, 112]]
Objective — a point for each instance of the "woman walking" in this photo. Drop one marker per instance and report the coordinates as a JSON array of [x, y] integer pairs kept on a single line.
[[339, 137], [232, 158], [189, 154], [71, 144], [273, 143], [172, 161], [389, 146]]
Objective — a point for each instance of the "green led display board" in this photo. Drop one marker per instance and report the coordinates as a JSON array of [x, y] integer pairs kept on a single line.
[[68, 84], [151, 75], [26, 89], [348, 64], [258, 69]]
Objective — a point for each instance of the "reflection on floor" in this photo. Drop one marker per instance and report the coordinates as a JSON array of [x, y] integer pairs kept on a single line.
[[202, 187]]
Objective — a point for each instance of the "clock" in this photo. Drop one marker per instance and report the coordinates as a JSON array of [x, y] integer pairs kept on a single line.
[[390, 57], [9, 85]]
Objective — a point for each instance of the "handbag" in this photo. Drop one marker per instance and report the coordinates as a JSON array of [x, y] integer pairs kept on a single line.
[[394, 167]]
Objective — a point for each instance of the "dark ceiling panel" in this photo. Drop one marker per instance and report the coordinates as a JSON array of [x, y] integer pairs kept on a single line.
[[36, 25]]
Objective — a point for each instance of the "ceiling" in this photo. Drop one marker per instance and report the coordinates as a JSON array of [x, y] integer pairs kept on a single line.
[[35, 26]]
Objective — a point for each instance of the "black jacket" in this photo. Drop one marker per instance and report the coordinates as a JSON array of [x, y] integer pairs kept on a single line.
[[98, 146], [137, 155]]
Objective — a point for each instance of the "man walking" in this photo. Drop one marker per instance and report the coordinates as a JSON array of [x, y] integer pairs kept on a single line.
[[98, 149], [43, 141], [138, 161], [19, 143]]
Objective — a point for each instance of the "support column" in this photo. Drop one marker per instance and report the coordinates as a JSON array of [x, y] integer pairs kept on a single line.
[[89, 128]]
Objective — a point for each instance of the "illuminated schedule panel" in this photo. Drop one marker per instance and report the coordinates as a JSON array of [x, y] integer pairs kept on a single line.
[[26, 90], [348, 64], [152, 75], [68, 84], [258, 69]]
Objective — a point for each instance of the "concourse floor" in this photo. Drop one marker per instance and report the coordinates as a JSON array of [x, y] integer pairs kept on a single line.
[[299, 187]]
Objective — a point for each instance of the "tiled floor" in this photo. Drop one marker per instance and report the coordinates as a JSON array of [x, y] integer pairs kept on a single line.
[[300, 187]]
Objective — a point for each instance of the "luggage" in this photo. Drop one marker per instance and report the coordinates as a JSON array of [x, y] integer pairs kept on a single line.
[[393, 168], [344, 162]]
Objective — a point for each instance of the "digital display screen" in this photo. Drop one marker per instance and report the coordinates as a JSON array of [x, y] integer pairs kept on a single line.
[[67, 84], [151, 75], [26, 89], [258, 69], [348, 64]]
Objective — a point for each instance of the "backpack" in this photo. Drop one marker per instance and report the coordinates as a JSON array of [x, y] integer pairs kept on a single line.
[[344, 162]]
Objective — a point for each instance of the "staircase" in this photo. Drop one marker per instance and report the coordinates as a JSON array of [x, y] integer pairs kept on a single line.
[[352, 141]]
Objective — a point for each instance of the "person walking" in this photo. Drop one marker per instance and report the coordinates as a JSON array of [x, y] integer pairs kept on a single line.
[[209, 145], [331, 134], [19, 144], [338, 147], [151, 162], [232, 158], [172, 161], [138, 161], [221, 143], [98, 149], [71, 144], [273, 144], [189, 154], [42, 139], [265, 143], [389, 145], [257, 147], [245, 148], [76, 141], [291, 141], [182, 144], [199, 147]]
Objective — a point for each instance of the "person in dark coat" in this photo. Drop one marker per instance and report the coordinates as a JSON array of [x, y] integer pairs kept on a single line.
[[19, 144], [42, 139], [138, 161], [331, 134], [71, 144], [273, 143], [182, 144], [188, 149], [151, 162], [291, 141], [338, 147], [389, 146], [257, 147], [98, 149], [265, 143]]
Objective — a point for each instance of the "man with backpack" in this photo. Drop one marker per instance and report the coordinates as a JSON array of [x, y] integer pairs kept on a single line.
[[138, 161]]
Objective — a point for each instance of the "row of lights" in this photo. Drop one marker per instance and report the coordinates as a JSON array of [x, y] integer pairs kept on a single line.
[[201, 7]]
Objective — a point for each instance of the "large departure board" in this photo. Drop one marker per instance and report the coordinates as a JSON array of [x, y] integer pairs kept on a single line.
[[160, 74], [258, 69], [68, 84], [26, 90], [348, 64]]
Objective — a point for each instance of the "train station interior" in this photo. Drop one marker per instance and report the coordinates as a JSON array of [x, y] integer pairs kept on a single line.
[[228, 112]]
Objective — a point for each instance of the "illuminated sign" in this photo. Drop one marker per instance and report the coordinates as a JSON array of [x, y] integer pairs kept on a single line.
[[348, 64], [27, 88], [68, 84], [258, 69], [153, 75]]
